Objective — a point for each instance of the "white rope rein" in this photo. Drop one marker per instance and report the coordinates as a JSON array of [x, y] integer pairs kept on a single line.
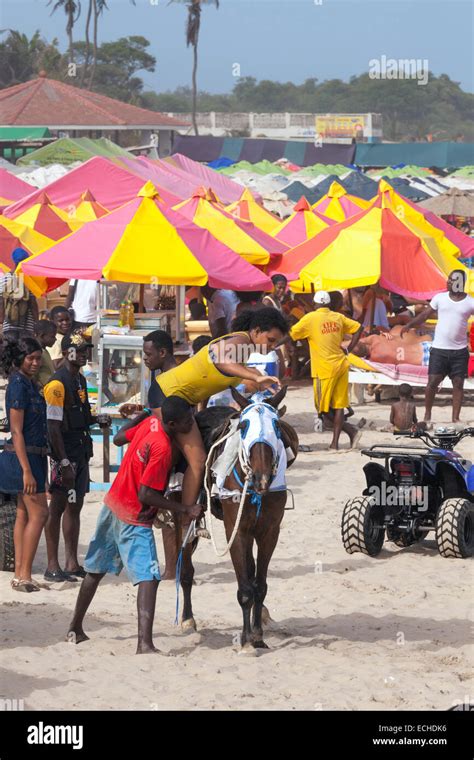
[[242, 498]]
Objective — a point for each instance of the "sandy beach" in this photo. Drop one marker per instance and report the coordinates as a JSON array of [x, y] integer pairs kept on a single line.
[[349, 632]]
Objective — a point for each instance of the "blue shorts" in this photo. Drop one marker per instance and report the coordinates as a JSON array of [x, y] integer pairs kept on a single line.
[[116, 544]]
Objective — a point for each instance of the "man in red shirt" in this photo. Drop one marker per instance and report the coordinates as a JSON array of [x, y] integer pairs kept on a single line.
[[124, 533]]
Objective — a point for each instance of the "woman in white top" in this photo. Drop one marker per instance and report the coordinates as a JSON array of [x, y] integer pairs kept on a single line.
[[275, 298]]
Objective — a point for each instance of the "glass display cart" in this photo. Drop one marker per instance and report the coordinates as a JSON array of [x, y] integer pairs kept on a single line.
[[117, 374]]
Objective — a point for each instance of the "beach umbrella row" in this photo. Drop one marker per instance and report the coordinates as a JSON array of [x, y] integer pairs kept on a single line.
[[385, 243], [145, 241]]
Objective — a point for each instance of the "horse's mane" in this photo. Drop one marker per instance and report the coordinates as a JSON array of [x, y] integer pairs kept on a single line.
[[211, 421]]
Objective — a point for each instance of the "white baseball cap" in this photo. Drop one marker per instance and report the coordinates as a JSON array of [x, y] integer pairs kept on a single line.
[[322, 296]]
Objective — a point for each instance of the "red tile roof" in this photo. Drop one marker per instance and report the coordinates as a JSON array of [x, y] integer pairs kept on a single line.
[[49, 103]]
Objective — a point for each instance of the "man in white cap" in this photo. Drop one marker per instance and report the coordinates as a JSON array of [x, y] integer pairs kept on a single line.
[[325, 330]]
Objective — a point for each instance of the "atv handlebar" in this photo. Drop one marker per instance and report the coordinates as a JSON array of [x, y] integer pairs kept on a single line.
[[438, 439]]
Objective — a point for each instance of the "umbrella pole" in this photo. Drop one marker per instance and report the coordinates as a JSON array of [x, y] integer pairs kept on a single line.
[[349, 301], [372, 312], [141, 299]]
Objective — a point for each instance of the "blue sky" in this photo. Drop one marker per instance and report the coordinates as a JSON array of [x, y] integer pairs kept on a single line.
[[282, 40]]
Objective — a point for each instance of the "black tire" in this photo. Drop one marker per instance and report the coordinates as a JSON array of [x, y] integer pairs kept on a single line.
[[362, 527], [7, 548], [455, 528]]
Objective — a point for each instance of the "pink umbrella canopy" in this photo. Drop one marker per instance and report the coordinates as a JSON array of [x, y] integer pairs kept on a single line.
[[111, 185], [13, 187], [146, 241]]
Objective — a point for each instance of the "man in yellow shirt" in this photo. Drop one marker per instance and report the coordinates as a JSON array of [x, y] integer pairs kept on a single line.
[[325, 330]]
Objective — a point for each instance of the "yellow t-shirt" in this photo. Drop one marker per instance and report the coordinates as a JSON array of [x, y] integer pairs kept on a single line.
[[54, 396], [325, 330]]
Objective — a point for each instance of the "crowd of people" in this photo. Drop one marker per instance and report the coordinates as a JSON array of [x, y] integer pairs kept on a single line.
[[257, 339]]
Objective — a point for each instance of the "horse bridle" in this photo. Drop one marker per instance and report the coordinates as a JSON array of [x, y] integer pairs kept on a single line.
[[244, 453]]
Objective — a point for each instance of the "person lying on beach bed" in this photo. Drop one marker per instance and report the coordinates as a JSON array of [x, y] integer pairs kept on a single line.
[[390, 348]]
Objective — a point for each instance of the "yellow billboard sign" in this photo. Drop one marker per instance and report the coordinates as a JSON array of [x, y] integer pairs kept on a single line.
[[340, 125]]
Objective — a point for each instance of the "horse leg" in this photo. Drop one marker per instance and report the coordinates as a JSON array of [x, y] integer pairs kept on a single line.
[[267, 539], [240, 552], [187, 575]]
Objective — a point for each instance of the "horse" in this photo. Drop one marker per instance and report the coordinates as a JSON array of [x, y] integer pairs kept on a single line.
[[254, 520]]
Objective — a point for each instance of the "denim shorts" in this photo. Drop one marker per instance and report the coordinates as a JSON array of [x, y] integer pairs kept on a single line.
[[117, 544]]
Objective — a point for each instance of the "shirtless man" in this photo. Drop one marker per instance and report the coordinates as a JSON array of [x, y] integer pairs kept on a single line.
[[390, 348]]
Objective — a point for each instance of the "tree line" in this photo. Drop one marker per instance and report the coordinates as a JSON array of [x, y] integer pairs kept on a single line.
[[410, 111]]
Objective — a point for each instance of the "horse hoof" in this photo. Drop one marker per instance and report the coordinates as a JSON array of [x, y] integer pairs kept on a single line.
[[260, 645], [248, 650], [188, 625]]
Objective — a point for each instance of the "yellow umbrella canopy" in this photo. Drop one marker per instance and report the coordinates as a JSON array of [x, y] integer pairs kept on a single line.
[[302, 224], [249, 210], [376, 245], [145, 241], [338, 204], [48, 219], [87, 208], [254, 245]]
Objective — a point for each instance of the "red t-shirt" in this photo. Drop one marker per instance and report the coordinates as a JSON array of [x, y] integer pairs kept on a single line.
[[147, 462]]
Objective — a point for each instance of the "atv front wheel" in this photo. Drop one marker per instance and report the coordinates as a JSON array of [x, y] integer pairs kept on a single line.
[[7, 523], [362, 526], [455, 528]]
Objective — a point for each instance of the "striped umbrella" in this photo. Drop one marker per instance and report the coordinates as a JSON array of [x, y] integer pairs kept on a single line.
[[87, 208], [240, 236], [376, 245], [249, 210], [48, 219], [302, 224], [145, 241], [15, 235], [337, 204], [463, 244]]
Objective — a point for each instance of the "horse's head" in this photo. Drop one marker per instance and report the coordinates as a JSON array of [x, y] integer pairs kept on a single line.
[[260, 433]]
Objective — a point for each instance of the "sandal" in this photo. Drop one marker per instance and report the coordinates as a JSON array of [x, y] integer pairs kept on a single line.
[[79, 573], [14, 582], [26, 586]]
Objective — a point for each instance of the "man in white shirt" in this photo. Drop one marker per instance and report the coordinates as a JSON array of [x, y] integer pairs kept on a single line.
[[449, 354], [83, 298], [221, 306]]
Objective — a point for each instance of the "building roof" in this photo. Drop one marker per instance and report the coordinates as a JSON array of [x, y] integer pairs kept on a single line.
[[49, 103]]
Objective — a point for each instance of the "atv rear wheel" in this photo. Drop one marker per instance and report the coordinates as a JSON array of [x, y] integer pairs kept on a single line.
[[7, 548], [455, 528], [362, 526]]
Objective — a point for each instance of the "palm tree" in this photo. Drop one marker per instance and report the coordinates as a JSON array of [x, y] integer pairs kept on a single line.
[[72, 9], [192, 38]]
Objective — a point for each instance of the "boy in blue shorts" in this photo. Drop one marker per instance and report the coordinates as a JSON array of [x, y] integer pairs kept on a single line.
[[124, 533]]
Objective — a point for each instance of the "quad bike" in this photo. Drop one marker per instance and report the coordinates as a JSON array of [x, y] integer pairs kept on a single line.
[[416, 490]]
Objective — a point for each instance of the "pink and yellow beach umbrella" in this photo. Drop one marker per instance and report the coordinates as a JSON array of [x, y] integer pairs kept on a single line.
[[338, 204], [249, 210], [87, 208], [376, 245], [302, 224], [244, 238], [15, 235], [145, 241], [48, 219]]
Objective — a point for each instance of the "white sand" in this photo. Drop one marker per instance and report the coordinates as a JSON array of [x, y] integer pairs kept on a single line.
[[351, 632]]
